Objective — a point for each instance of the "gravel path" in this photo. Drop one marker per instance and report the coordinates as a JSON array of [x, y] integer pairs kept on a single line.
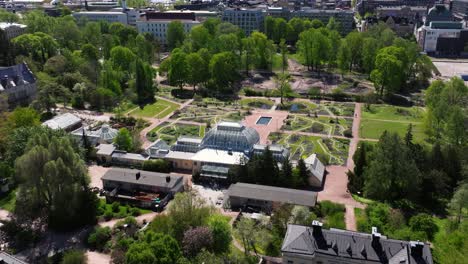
[[97, 258]]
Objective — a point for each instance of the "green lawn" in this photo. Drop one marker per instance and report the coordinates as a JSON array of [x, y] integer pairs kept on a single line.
[[122, 212], [8, 202], [373, 129], [159, 109], [388, 112], [257, 103]]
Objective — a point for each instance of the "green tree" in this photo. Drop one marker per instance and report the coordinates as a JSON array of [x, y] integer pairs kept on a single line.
[[175, 34], [153, 248], [221, 231], [283, 86], [284, 55], [145, 87], [122, 57], [391, 168], [387, 75], [458, 205], [178, 73], [223, 69], [123, 140], [54, 184], [8, 17], [200, 37], [344, 57], [198, 71], [23, 117]]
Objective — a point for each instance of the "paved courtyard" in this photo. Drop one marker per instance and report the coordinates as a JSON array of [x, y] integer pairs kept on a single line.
[[275, 124]]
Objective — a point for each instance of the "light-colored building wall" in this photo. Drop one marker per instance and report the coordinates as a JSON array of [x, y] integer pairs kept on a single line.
[[158, 28], [110, 17], [344, 17], [427, 37]]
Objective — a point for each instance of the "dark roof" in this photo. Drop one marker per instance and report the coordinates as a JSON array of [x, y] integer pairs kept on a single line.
[[345, 244], [169, 16], [20, 70], [146, 177], [274, 194], [9, 259]]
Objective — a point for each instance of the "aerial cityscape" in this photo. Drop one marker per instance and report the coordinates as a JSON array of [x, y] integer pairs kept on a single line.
[[232, 132]]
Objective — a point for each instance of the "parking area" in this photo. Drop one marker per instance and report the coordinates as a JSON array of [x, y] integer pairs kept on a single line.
[[213, 196], [449, 68]]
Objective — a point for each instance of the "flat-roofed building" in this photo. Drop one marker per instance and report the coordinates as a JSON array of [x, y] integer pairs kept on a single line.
[[344, 17], [67, 122], [108, 16], [264, 197], [157, 23], [214, 163], [128, 159]]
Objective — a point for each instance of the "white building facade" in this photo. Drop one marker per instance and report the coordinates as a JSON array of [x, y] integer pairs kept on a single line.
[[12, 30], [111, 17], [249, 20]]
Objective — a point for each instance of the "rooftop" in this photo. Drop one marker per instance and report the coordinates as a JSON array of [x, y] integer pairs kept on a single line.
[[165, 16], [15, 75], [315, 166], [129, 156], [62, 121], [343, 244], [99, 13], [230, 136], [219, 156], [275, 194], [9, 259], [105, 149], [4, 25], [179, 155], [146, 177]]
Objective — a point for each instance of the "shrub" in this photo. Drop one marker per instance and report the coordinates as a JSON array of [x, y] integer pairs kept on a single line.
[[252, 92], [134, 211], [115, 207], [348, 133], [329, 208], [98, 239], [157, 165], [424, 223], [108, 215], [74, 257], [317, 127]]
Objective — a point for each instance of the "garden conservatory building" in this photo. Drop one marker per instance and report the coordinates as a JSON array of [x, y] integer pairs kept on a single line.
[[231, 136]]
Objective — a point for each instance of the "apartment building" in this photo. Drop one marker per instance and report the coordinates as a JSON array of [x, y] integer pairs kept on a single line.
[[249, 20]]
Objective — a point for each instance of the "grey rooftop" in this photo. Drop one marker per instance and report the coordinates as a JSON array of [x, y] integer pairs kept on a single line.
[[146, 177], [274, 194]]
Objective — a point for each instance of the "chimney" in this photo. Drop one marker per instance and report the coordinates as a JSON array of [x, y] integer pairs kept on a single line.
[[168, 179], [138, 175], [375, 235], [417, 248], [317, 228]]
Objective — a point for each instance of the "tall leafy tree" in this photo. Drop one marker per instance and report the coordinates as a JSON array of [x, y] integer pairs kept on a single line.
[[175, 34], [144, 82], [391, 168], [123, 140], [178, 73], [54, 184]]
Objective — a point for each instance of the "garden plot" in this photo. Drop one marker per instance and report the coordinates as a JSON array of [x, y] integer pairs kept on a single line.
[[260, 103], [318, 124], [329, 150], [169, 132], [210, 114]]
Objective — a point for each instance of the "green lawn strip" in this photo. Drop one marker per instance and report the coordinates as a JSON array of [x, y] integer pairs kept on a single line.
[[8, 202], [361, 219], [333, 214], [159, 109], [362, 199], [124, 107], [388, 112], [373, 129]]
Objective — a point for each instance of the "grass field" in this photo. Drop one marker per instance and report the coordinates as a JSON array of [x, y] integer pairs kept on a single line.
[[388, 112], [159, 109], [389, 118], [374, 129], [8, 202]]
